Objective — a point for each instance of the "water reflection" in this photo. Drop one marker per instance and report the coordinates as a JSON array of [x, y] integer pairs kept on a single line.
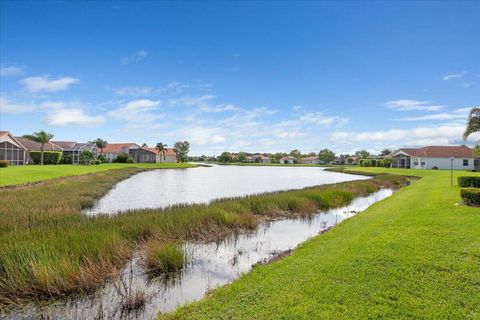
[[163, 188], [208, 266]]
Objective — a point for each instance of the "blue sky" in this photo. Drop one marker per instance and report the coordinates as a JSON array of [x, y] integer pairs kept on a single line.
[[250, 76]]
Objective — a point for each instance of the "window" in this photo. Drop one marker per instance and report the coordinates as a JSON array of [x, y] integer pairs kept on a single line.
[[422, 163], [465, 162], [415, 163]]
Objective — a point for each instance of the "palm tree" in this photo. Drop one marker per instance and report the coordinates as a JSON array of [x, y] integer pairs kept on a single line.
[[473, 123], [101, 144], [41, 137], [161, 148]]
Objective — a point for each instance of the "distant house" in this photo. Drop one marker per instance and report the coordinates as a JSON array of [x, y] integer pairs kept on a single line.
[[440, 157], [169, 155], [70, 150], [288, 160], [310, 160], [133, 150], [260, 158], [12, 150]]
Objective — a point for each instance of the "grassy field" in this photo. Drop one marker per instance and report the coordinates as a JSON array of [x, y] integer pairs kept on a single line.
[[415, 255], [15, 175], [48, 248]]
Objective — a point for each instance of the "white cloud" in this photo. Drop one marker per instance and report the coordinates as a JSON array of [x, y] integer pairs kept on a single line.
[[454, 75], [72, 117], [134, 57], [7, 106], [453, 115], [467, 84], [135, 91], [419, 136], [410, 105], [141, 111], [201, 135], [10, 71], [44, 83], [296, 108], [319, 119]]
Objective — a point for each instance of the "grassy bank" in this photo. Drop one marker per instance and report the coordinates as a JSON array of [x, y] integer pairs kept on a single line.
[[15, 175], [48, 248], [415, 255]]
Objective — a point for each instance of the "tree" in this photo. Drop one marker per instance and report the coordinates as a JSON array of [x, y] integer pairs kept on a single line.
[[326, 156], [41, 137], [182, 148], [296, 153], [101, 144], [386, 152], [144, 145], [225, 157], [161, 148], [362, 154], [473, 123], [241, 157]]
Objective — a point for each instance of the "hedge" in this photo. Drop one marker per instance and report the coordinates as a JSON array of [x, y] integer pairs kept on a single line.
[[4, 163], [469, 182], [49, 157], [470, 195]]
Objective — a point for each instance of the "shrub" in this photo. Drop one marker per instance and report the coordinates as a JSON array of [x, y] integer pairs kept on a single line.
[[122, 158], [469, 182], [4, 163], [103, 158], [366, 163], [49, 157], [97, 161], [470, 195], [434, 168], [130, 160], [66, 159]]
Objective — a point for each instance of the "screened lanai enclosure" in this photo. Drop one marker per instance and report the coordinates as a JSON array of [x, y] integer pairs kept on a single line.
[[401, 160], [11, 150], [73, 154]]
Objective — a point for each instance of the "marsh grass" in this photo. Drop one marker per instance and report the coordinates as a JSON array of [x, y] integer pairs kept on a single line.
[[164, 257], [49, 249]]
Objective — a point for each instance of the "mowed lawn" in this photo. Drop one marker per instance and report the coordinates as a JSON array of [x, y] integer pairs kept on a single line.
[[415, 255], [15, 175]]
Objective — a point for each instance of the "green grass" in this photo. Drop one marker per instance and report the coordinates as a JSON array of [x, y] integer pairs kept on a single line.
[[164, 257], [415, 255], [49, 249], [15, 175]]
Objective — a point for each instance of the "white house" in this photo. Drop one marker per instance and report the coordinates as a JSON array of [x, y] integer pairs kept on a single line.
[[310, 160], [435, 157], [288, 160]]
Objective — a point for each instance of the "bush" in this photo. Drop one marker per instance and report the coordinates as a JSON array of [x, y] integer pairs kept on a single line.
[[4, 163], [470, 195], [130, 160], [103, 158], [469, 182], [366, 163], [434, 168], [49, 157], [66, 159], [122, 158], [97, 161]]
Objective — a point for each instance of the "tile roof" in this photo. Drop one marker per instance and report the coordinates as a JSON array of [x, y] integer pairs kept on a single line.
[[439, 152], [168, 151], [310, 158], [3, 133], [32, 145], [65, 144], [119, 147]]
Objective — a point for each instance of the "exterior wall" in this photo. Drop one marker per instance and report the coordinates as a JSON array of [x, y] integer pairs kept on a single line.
[[10, 150], [159, 158], [266, 160], [287, 161], [444, 163], [142, 156], [111, 156], [315, 161]]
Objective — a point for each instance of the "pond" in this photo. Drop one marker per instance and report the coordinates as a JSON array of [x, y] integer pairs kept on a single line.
[[163, 188], [208, 265]]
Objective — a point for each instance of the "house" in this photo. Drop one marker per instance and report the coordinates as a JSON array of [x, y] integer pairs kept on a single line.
[[12, 150], [31, 145], [310, 160], [168, 155], [438, 157], [142, 155], [288, 160], [71, 150], [260, 158], [112, 150]]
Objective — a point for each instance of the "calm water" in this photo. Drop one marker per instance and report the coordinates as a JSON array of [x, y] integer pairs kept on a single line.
[[162, 188], [208, 266]]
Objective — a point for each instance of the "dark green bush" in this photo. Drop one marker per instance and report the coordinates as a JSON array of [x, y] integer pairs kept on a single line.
[[97, 161], [470, 195], [366, 163], [122, 158], [4, 163], [130, 160], [66, 159], [49, 157], [469, 182], [102, 158]]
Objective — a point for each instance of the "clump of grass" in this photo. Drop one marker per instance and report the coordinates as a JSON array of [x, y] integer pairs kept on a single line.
[[164, 257]]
